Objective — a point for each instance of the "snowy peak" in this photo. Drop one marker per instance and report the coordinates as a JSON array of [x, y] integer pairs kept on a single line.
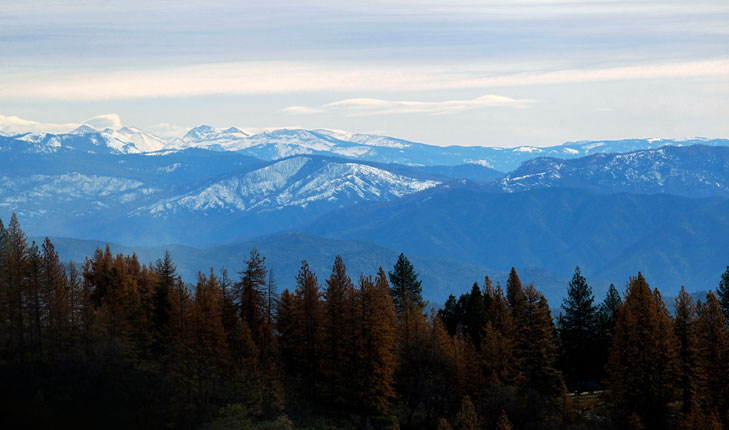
[[693, 171], [143, 141], [84, 129], [295, 182]]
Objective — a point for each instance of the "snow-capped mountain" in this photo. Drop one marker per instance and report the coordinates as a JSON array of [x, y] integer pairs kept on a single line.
[[695, 171], [298, 181], [281, 143]]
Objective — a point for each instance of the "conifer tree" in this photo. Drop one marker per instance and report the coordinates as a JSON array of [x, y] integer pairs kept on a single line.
[[497, 349], [378, 325], [515, 294], [476, 316], [503, 423], [210, 347], [443, 424], [286, 329], [578, 334], [713, 347], [449, 315], [336, 331], [723, 293], [251, 296], [166, 275], [405, 287], [537, 346], [16, 266], [467, 418], [643, 362], [308, 322], [685, 329], [57, 299]]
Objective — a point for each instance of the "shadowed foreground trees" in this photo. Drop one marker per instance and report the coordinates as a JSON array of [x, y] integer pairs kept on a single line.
[[121, 344]]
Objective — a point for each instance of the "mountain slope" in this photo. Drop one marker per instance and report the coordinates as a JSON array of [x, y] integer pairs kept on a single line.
[[555, 229], [695, 171]]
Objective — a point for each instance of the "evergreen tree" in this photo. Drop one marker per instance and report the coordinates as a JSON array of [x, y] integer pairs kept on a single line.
[[336, 330], [166, 277], [405, 287], [723, 293], [378, 330], [16, 266], [503, 423], [515, 295], [443, 424], [467, 418], [251, 297], [643, 362], [476, 316], [537, 346], [449, 315], [578, 334], [713, 347], [308, 323]]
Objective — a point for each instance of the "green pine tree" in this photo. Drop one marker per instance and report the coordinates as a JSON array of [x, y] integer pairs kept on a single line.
[[405, 286]]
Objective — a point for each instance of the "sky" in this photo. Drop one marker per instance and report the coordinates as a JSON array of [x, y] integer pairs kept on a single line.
[[456, 72]]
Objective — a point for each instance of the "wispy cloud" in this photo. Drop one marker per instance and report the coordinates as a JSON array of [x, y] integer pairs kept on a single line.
[[15, 124], [286, 77], [372, 106]]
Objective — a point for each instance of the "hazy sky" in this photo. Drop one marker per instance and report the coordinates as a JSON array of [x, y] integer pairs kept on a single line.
[[501, 73]]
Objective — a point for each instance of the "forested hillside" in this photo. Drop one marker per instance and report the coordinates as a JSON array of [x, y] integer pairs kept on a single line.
[[120, 343]]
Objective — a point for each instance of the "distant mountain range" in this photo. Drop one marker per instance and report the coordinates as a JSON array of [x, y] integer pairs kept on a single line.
[[663, 211], [694, 171], [282, 143]]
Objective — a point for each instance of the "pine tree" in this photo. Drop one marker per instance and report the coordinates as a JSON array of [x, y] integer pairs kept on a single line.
[[443, 424], [497, 347], [476, 316], [166, 275], [578, 334], [336, 330], [251, 296], [515, 294], [58, 300], [378, 325], [308, 322], [210, 343], [685, 329], [723, 293], [449, 315], [503, 423], [537, 346], [713, 349], [467, 418], [16, 265], [643, 362], [405, 288]]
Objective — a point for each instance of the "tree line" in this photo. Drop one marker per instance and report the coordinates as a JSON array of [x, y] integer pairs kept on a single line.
[[116, 343]]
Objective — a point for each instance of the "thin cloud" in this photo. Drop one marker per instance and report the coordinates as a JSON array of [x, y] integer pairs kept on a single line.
[[285, 77], [15, 124], [372, 106]]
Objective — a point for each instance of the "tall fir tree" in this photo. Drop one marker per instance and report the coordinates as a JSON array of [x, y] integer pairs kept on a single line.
[[578, 332], [251, 297], [378, 329], [713, 347], [336, 331], [723, 293], [643, 364], [308, 324], [405, 287], [515, 294], [691, 375]]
